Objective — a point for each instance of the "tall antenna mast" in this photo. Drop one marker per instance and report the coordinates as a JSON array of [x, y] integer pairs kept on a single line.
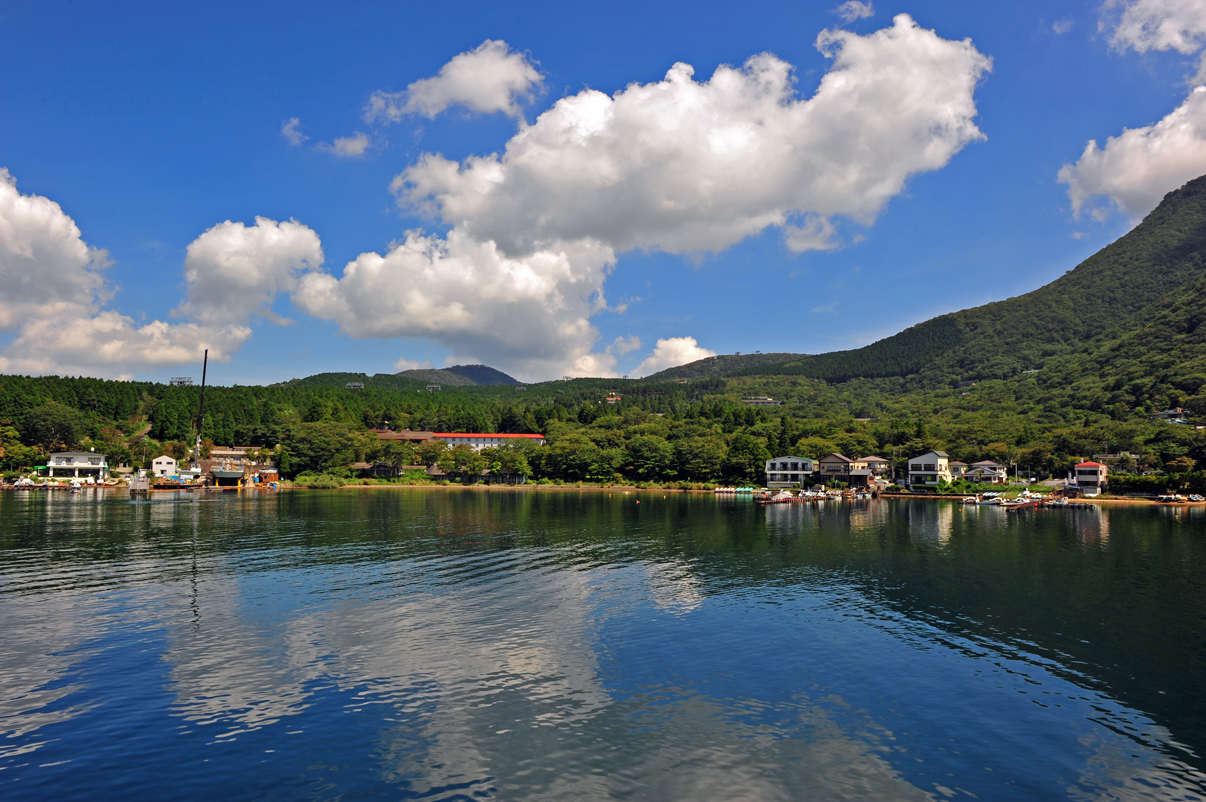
[[201, 424]]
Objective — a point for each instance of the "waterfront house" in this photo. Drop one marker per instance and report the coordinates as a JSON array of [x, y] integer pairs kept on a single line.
[[836, 467], [958, 469], [861, 478], [930, 468], [164, 466], [782, 472], [877, 465], [1091, 478], [78, 464], [988, 472]]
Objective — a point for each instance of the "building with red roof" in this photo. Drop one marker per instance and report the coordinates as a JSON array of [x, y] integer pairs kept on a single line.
[[1090, 477]]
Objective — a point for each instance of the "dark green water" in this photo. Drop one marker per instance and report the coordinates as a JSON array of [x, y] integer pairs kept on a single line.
[[511, 645]]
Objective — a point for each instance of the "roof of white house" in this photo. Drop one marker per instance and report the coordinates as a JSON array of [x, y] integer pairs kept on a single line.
[[76, 454], [872, 458]]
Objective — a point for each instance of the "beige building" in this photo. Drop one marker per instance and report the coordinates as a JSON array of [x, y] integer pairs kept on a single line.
[[930, 468], [163, 466], [877, 465], [838, 467]]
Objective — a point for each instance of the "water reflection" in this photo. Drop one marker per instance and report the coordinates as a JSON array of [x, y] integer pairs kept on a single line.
[[529, 646]]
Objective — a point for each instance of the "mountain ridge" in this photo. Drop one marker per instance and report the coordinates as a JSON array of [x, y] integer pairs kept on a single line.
[[1098, 298]]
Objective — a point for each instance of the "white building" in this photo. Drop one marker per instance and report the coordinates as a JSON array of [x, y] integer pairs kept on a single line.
[[789, 471], [930, 468], [163, 466], [478, 441], [78, 463]]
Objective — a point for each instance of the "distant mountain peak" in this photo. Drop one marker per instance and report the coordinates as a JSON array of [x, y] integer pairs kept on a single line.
[[460, 375]]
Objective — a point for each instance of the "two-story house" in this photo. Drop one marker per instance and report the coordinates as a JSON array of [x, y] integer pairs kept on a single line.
[[836, 467], [1091, 478], [877, 465], [987, 472], [78, 464], [930, 468], [163, 466], [783, 472]]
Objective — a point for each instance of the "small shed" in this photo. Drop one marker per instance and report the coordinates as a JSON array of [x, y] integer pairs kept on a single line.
[[163, 465]]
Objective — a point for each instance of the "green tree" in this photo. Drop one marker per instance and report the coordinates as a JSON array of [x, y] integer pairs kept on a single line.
[[650, 457], [699, 459], [53, 425], [318, 447], [746, 458]]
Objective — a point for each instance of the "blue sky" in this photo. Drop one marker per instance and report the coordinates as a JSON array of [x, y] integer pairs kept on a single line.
[[151, 126]]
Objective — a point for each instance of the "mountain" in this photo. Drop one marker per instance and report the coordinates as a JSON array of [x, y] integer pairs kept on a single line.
[[1102, 298], [725, 365], [461, 376]]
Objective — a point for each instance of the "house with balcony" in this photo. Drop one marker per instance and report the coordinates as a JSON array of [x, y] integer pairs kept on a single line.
[[1091, 478], [77, 464], [987, 472], [930, 468], [836, 467], [784, 472], [877, 465]]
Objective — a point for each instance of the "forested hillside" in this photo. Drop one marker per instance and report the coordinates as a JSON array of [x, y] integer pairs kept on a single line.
[[461, 375], [1101, 298]]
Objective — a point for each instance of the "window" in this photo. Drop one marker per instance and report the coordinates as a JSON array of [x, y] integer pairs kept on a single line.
[[929, 467], [915, 468], [795, 466]]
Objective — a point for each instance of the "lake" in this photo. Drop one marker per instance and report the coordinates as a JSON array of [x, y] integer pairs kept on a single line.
[[449, 644]]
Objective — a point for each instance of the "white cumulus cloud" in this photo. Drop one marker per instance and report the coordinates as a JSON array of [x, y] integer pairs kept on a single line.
[[672, 352], [488, 79], [1136, 168], [234, 271], [1147, 25], [347, 147], [678, 165], [686, 166], [530, 315], [624, 345], [853, 9], [53, 295], [45, 265]]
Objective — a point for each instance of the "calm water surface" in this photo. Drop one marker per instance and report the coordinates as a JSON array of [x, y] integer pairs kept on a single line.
[[510, 645]]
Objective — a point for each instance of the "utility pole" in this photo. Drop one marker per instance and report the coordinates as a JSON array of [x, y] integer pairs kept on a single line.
[[201, 423]]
